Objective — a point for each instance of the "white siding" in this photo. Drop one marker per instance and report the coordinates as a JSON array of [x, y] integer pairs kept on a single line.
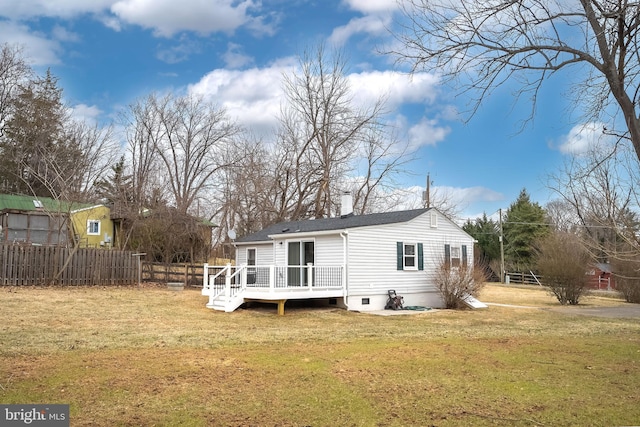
[[372, 258], [264, 253], [372, 261], [327, 249]]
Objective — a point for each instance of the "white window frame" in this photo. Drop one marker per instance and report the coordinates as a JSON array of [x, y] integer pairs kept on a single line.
[[405, 256], [255, 260], [458, 259], [91, 222]]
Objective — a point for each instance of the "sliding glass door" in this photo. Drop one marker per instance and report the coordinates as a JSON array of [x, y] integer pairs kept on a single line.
[[299, 254]]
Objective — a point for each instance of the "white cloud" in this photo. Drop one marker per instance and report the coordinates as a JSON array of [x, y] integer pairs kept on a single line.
[[38, 48], [398, 88], [164, 17], [455, 199], [252, 96], [467, 195], [109, 21], [64, 35], [179, 52], [427, 132], [235, 58], [26, 9], [582, 138], [372, 6], [86, 113], [167, 17], [371, 24]]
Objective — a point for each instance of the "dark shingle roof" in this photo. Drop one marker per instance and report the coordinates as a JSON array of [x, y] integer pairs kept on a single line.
[[329, 224]]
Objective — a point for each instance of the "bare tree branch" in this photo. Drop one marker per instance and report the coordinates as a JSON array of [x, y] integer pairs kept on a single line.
[[481, 45]]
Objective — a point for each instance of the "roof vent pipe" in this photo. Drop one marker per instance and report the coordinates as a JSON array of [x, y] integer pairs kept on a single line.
[[346, 205]]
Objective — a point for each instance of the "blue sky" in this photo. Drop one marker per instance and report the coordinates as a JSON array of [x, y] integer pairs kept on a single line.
[[109, 52]]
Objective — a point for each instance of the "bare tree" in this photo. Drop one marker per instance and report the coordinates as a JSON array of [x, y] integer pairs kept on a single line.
[[143, 131], [247, 198], [194, 136], [325, 144], [100, 151], [599, 190], [562, 215], [324, 135], [380, 160], [484, 44], [14, 71]]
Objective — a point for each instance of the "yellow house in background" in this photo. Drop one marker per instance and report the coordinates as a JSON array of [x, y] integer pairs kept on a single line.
[[92, 226]]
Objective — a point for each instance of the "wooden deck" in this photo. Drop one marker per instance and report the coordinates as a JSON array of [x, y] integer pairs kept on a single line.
[[230, 286]]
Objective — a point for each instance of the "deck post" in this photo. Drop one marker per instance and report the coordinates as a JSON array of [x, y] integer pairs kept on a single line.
[[227, 284], [205, 276], [206, 284], [272, 277], [310, 275], [281, 307]]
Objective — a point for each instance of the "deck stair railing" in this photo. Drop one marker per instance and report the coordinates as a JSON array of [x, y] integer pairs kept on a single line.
[[228, 279]]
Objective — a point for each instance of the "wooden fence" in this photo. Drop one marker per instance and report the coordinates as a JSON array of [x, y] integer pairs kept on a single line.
[[523, 278], [51, 265], [188, 274]]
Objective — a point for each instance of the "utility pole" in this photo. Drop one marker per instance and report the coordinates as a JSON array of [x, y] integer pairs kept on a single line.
[[501, 248], [427, 193]]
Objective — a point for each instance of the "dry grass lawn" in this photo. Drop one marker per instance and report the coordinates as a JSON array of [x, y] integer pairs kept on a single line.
[[142, 357]]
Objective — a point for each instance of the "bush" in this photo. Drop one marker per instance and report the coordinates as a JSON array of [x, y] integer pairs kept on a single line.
[[626, 273], [562, 261], [455, 283]]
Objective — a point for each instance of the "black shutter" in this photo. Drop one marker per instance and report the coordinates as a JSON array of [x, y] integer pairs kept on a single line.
[[420, 257], [400, 255], [464, 256], [447, 256]]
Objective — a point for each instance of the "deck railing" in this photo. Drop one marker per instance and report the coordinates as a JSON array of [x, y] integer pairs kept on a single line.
[[270, 278]]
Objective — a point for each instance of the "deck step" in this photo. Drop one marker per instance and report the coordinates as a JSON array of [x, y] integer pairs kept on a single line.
[[219, 303]]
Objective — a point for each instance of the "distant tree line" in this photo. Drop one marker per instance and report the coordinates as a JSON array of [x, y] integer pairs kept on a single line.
[[565, 240], [182, 162]]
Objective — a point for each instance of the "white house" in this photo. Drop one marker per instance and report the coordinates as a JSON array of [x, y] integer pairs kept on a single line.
[[351, 260]]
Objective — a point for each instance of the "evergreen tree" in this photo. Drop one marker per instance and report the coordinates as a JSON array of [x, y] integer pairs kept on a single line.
[[525, 222], [487, 247], [486, 232], [37, 158], [117, 188]]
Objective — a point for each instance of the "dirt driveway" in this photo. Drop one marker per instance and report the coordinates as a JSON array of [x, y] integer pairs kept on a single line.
[[622, 311], [629, 311]]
